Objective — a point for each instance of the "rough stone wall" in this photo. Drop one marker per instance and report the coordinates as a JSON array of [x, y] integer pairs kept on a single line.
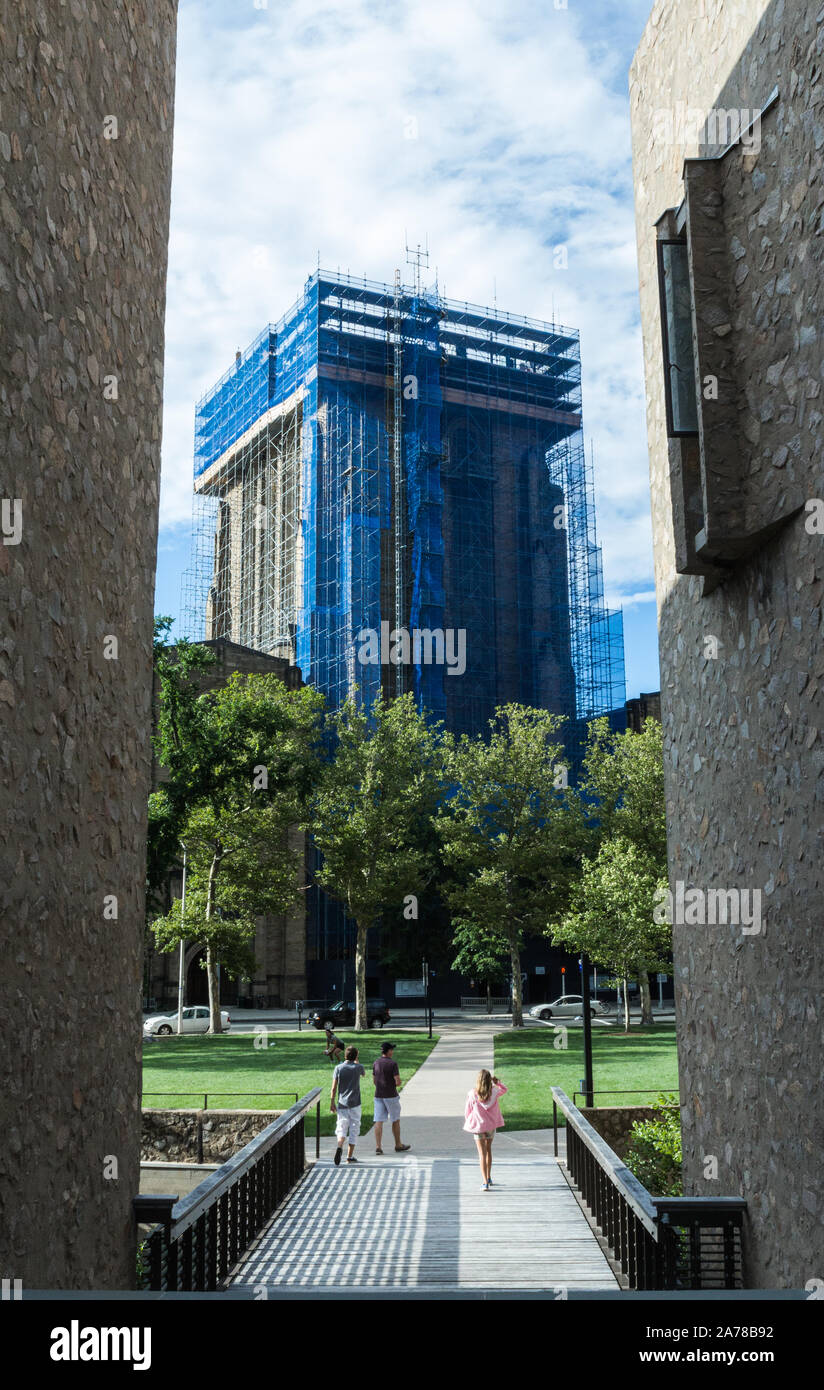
[[742, 714], [614, 1123], [171, 1136], [82, 295]]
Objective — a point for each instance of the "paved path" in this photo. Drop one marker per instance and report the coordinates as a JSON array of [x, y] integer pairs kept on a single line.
[[420, 1219]]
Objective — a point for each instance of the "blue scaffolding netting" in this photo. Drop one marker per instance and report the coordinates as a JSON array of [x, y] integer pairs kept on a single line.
[[386, 458]]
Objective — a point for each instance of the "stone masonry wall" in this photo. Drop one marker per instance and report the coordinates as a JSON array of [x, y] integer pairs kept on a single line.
[[84, 208], [170, 1136], [742, 714], [614, 1123]]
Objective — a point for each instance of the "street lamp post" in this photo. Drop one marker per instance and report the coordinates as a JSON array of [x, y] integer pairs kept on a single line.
[[182, 953], [585, 991]]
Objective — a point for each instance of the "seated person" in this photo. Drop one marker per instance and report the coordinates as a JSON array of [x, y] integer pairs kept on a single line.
[[334, 1046]]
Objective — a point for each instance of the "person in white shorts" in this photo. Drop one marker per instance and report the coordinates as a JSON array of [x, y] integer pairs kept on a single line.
[[346, 1088], [387, 1081]]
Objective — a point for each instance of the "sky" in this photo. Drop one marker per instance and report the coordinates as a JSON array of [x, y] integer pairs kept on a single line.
[[343, 129]]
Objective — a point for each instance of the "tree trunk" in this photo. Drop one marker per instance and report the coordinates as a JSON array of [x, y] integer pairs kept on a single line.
[[215, 1021], [361, 1020], [646, 997], [625, 986], [517, 1004]]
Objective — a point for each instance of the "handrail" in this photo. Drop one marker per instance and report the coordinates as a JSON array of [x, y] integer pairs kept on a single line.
[[654, 1242], [201, 1236], [634, 1192], [620, 1091], [206, 1094], [190, 1207], [685, 1207]]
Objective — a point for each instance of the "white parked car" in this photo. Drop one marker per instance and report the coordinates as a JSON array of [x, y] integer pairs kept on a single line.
[[195, 1020], [568, 1006]]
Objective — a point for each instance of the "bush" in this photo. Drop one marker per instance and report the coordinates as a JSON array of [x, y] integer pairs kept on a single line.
[[654, 1153]]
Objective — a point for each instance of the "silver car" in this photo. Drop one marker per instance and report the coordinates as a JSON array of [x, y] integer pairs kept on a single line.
[[195, 1020], [568, 1006]]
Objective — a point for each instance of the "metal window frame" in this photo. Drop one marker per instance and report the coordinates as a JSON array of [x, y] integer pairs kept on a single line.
[[672, 432]]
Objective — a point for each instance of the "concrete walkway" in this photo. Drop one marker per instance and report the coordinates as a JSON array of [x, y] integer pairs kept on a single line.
[[420, 1219], [432, 1102]]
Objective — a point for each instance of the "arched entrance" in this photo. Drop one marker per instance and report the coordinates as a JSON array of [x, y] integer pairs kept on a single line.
[[197, 984]]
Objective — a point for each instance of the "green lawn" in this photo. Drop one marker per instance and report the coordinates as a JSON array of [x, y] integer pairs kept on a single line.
[[529, 1065], [185, 1068]]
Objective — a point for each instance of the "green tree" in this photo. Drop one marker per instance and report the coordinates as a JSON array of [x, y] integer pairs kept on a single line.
[[624, 783], [610, 914], [378, 791], [654, 1152], [239, 763], [624, 776], [480, 953], [512, 834], [239, 865]]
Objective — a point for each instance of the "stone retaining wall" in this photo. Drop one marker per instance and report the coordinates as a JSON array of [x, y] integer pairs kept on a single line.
[[614, 1123], [171, 1136]]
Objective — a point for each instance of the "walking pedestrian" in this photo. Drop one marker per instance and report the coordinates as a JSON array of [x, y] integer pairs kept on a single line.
[[334, 1046], [346, 1086], [387, 1081], [482, 1116]]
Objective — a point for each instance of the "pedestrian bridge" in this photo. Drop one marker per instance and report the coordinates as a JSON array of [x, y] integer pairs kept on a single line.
[[417, 1223], [422, 1222], [281, 1216]]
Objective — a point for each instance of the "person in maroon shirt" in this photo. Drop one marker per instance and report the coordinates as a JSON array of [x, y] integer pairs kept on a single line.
[[387, 1081]]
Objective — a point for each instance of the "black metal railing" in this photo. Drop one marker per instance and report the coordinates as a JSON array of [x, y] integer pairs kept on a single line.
[[659, 1091], [245, 1095], [203, 1235], [654, 1242]]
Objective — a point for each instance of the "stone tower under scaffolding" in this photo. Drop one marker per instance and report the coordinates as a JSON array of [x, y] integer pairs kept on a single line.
[[385, 456]]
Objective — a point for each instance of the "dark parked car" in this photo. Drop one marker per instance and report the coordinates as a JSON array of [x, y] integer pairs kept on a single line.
[[342, 1014]]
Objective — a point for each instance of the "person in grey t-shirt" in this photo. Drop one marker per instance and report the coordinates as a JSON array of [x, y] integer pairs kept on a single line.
[[346, 1087]]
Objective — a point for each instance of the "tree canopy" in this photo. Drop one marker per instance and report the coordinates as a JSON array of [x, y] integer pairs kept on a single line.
[[512, 832]]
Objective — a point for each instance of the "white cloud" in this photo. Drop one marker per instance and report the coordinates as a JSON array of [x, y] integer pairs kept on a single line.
[[291, 138]]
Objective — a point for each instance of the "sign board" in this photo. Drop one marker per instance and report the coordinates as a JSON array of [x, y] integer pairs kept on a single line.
[[406, 989], [540, 969], [662, 979]]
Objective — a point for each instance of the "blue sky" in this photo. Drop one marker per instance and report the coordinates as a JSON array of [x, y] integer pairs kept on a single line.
[[340, 127]]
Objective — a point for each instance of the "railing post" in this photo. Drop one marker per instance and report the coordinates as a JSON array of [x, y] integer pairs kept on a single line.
[[223, 1235], [212, 1248], [200, 1253], [317, 1133], [729, 1254], [554, 1126]]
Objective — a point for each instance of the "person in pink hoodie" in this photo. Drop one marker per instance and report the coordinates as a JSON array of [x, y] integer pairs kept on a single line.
[[482, 1117]]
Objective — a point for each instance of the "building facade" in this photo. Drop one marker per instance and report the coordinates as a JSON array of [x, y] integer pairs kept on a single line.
[[727, 112]]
